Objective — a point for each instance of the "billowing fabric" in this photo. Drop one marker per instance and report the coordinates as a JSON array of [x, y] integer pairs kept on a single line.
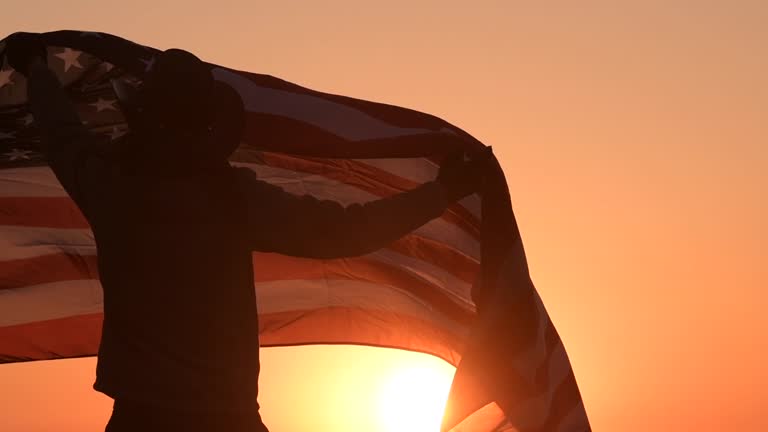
[[415, 293]]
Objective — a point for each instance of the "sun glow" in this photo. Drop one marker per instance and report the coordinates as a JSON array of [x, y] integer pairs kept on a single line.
[[413, 399]]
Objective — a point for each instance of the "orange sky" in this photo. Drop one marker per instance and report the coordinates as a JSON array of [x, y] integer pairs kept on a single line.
[[634, 136]]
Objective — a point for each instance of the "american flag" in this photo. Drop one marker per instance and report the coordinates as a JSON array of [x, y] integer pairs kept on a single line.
[[457, 288]]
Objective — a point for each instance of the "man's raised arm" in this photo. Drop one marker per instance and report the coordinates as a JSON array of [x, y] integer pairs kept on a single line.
[[64, 138], [305, 226]]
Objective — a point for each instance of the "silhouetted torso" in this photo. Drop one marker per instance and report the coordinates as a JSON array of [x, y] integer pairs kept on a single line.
[[180, 311]]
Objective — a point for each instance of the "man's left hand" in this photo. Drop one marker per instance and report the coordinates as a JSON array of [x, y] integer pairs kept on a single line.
[[462, 177], [23, 49]]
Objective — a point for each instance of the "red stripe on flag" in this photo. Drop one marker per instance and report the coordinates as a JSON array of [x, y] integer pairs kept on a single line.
[[49, 212], [74, 336], [46, 269]]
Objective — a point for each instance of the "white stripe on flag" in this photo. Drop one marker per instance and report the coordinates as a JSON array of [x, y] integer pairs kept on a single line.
[[341, 120]]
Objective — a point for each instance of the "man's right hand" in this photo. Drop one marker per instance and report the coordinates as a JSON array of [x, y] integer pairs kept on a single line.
[[462, 177], [23, 50]]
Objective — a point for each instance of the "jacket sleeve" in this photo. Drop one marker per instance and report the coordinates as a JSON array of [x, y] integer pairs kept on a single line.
[[65, 140], [305, 226]]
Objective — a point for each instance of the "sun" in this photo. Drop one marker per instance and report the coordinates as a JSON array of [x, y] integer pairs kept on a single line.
[[412, 399]]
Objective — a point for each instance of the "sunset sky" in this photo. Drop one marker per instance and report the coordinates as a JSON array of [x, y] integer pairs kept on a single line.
[[634, 138]]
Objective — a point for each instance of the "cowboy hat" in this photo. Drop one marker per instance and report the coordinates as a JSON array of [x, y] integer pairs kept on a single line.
[[179, 95]]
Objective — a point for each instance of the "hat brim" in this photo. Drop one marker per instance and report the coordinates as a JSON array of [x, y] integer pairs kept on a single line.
[[228, 121]]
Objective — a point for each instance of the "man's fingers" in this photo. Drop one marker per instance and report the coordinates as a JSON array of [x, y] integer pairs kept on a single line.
[[22, 49], [482, 155]]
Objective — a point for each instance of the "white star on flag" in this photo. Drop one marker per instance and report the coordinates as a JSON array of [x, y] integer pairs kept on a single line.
[[71, 58], [5, 77], [117, 133], [28, 119], [7, 135], [104, 104], [17, 154]]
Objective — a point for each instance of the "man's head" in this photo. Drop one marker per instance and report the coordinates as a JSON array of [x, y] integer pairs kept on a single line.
[[197, 118], [178, 92]]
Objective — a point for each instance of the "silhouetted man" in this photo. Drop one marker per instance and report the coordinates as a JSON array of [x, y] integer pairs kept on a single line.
[[175, 226]]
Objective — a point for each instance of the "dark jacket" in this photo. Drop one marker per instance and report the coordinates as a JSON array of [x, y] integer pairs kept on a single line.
[[174, 255]]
